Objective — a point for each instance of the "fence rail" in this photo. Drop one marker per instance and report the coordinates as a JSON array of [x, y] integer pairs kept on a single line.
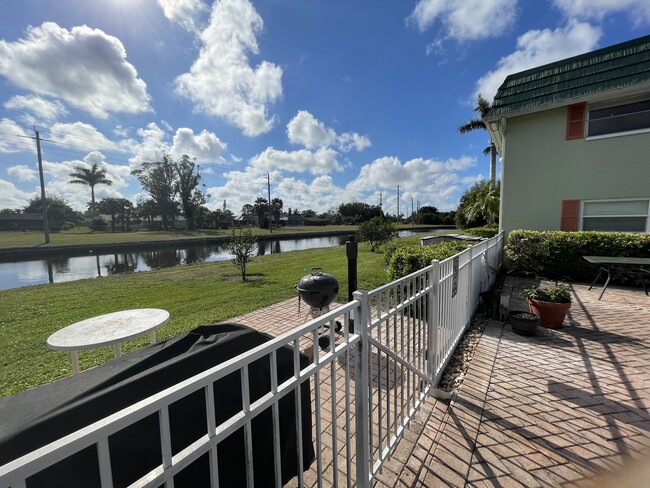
[[357, 396]]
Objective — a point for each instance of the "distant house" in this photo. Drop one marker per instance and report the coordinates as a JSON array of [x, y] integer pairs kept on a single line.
[[245, 221], [292, 220], [574, 137], [17, 221]]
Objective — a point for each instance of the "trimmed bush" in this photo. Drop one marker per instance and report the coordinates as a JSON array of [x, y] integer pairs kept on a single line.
[[559, 255], [486, 231], [404, 260]]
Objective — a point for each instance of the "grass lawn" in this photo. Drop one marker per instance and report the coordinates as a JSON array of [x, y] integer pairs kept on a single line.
[[83, 236], [194, 295]]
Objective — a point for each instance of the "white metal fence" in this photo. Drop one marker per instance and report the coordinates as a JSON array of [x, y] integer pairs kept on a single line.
[[363, 390]]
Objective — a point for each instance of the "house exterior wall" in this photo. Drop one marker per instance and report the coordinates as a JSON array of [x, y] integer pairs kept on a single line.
[[541, 169]]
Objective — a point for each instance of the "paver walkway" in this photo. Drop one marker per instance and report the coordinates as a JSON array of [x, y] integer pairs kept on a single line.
[[558, 408], [548, 410]]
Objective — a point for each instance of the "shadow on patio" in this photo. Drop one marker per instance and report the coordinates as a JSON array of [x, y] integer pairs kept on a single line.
[[558, 408]]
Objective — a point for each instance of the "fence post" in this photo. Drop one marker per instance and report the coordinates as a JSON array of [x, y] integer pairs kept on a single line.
[[469, 301], [362, 389], [434, 320]]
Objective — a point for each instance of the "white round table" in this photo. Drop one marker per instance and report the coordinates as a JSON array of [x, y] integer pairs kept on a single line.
[[109, 329]]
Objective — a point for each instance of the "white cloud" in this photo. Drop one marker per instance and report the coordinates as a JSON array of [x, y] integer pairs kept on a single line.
[[306, 130], [322, 161], [22, 172], [205, 146], [13, 197], [637, 10], [468, 20], [84, 137], [536, 48], [40, 109], [14, 138], [428, 180], [221, 82], [85, 67], [352, 140], [184, 12]]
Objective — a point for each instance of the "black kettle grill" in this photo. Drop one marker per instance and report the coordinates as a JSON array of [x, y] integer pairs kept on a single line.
[[318, 289]]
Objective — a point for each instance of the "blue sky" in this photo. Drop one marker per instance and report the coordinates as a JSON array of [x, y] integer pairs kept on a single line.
[[337, 100]]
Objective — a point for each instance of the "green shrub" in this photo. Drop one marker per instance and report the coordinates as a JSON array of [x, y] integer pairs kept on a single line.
[[67, 225], [556, 294], [98, 223], [486, 231], [405, 260], [559, 255]]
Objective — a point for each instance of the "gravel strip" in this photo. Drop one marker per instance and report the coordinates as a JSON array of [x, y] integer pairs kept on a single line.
[[456, 370]]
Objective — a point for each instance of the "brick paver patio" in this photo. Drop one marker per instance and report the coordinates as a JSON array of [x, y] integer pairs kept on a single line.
[[558, 408]]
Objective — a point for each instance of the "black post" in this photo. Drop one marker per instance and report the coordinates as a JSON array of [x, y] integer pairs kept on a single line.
[[352, 252]]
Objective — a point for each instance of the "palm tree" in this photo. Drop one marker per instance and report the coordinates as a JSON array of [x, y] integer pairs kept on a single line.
[[483, 202], [91, 177], [482, 108], [276, 209]]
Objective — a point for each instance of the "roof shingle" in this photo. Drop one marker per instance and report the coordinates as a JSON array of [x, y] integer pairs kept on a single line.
[[619, 66]]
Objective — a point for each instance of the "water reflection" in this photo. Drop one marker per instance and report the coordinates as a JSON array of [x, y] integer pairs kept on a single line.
[[88, 265]]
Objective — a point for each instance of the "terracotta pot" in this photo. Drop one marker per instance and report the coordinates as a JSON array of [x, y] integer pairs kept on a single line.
[[551, 314]]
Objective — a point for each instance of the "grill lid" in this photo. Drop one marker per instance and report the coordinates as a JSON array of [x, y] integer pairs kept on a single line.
[[318, 281]]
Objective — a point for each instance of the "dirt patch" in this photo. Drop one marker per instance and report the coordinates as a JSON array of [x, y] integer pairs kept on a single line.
[[249, 277]]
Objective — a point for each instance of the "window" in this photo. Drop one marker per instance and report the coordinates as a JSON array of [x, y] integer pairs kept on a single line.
[[616, 215], [619, 118]]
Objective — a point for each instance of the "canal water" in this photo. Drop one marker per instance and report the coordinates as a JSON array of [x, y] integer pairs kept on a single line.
[[58, 269]]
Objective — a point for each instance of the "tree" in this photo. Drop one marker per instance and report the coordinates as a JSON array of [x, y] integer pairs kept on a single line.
[[377, 231], [159, 181], [58, 210], [276, 209], [91, 177], [479, 205], [242, 244], [482, 108], [187, 180], [112, 207], [261, 207], [357, 212]]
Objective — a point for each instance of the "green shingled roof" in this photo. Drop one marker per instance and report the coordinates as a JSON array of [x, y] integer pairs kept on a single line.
[[614, 67]]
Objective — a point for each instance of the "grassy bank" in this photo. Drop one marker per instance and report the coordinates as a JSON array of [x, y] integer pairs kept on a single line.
[[83, 236], [194, 295]]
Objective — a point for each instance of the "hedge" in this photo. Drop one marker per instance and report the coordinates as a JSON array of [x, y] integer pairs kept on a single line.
[[486, 231], [404, 260], [559, 255]]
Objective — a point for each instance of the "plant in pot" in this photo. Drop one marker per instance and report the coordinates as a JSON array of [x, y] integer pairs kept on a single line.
[[550, 304], [523, 323]]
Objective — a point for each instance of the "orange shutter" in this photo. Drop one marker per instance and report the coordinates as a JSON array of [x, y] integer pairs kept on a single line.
[[575, 121], [570, 215]]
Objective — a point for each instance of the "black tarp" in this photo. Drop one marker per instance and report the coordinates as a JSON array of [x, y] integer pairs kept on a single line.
[[34, 418]]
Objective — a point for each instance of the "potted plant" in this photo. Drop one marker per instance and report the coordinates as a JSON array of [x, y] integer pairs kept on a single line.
[[550, 304], [523, 323]]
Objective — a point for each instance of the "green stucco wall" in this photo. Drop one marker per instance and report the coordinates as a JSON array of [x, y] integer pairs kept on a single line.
[[541, 168]]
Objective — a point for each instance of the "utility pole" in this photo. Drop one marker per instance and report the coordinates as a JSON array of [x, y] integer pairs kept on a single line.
[[268, 182], [418, 207], [398, 219], [46, 224], [412, 221], [380, 209]]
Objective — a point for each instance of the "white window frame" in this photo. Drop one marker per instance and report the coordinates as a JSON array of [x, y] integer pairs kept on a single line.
[[647, 215], [613, 103]]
